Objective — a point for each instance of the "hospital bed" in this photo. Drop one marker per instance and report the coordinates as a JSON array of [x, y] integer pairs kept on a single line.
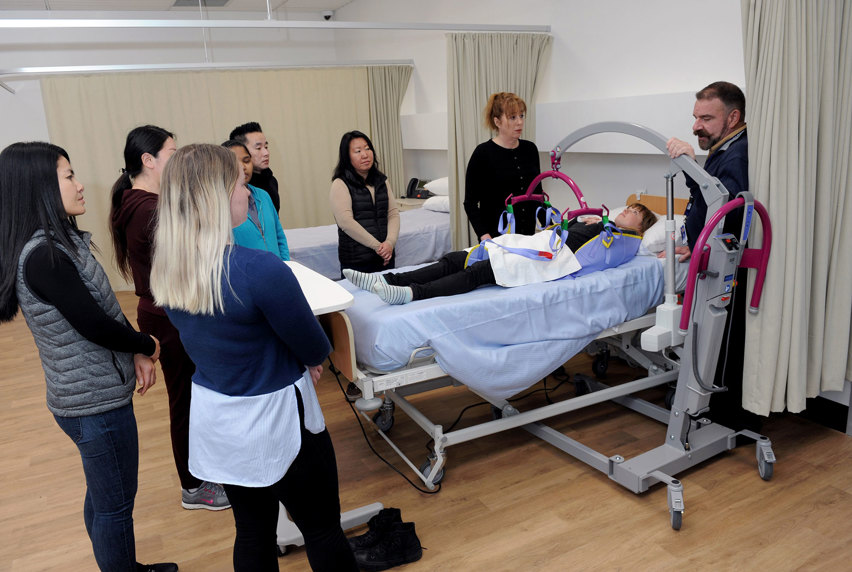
[[499, 341], [424, 236]]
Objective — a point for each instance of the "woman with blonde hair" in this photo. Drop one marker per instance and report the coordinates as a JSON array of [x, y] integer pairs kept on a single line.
[[255, 421], [502, 166]]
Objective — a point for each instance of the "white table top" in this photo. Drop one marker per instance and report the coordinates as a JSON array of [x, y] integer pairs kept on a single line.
[[323, 295]]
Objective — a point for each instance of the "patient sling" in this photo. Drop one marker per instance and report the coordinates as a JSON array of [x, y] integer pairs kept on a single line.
[[612, 247], [518, 259]]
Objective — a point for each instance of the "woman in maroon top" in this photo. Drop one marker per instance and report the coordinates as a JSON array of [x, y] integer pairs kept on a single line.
[[132, 220]]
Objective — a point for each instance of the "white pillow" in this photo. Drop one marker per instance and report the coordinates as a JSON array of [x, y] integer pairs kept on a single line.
[[439, 186], [654, 238], [437, 203]]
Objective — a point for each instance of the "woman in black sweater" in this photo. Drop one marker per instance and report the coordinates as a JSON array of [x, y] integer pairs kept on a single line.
[[502, 166]]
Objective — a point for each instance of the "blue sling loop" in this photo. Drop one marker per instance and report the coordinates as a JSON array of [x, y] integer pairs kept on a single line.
[[557, 241], [506, 223]]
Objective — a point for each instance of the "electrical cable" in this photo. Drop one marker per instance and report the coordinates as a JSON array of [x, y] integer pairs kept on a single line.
[[336, 373], [557, 375]]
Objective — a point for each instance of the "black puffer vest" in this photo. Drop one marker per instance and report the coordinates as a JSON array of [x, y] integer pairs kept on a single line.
[[372, 216]]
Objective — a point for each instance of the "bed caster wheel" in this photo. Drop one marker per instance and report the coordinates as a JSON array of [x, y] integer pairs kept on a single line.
[[383, 421], [426, 468], [581, 386], [677, 519], [600, 364], [283, 550], [670, 395], [765, 469], [765, 458]]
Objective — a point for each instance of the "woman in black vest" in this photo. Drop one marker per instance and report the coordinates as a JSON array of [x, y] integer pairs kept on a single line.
[[363, 206]]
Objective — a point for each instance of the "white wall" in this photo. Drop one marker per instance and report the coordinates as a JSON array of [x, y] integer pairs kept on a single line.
[[22, 114], [611, 59]]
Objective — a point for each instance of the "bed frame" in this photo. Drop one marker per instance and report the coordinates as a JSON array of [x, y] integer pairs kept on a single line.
[[689, 438], [423, 374]]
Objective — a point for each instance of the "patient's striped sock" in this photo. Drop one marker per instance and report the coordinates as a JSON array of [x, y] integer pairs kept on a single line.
[[363, 280], [393, 294]]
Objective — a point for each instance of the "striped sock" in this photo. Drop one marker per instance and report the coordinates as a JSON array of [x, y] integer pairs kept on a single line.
[[363, 280], [393, 294]]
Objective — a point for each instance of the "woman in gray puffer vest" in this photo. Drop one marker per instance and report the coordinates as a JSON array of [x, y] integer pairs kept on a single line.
[[92, 357]]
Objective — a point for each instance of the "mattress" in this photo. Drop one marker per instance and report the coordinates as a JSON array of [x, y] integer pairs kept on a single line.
[[424, 236], [499, 341]]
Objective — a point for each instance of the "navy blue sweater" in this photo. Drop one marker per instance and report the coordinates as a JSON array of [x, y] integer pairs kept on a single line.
[[729, 164], [266, 335]]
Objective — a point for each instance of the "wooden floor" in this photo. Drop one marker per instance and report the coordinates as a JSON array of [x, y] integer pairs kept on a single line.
[[509, 502]]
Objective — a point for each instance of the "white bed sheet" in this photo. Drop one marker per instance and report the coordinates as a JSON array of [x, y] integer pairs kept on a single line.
[[499, 341], [424, 236]]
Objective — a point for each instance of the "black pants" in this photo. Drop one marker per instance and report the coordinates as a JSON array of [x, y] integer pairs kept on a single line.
[[177, 372], [309, 492], [374, 264], [446, 277], [727, 408]]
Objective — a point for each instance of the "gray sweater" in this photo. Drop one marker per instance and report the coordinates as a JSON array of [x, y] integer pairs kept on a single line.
[[83, 378]]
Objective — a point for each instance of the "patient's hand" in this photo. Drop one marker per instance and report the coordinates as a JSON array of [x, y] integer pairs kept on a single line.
[[485, 236], [683, 252], [676, 148], [589, 219]]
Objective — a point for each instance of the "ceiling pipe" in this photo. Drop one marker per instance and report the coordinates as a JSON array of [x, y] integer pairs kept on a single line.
[[31, 23]]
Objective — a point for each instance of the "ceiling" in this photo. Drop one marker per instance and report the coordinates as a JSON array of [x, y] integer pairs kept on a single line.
[[168, 5]]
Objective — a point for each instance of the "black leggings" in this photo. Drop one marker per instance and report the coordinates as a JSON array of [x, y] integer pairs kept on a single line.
[[309, 492], [446, 277]]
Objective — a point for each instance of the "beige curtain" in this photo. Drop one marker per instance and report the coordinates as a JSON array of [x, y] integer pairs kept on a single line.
[[387, 88], [798, 63], [477, 66], [303, 113]]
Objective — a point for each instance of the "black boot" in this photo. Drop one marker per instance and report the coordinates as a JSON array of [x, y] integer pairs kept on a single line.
[[399, 546], [378, 525]]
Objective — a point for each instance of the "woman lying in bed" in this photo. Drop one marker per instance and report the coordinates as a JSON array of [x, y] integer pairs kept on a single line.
[[515, 260]]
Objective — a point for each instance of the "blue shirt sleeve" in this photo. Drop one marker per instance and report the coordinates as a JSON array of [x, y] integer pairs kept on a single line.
[[279, 297], [282, 240]]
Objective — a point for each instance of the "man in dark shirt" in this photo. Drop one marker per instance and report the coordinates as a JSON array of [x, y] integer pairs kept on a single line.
[[251, 135], [721, 129]]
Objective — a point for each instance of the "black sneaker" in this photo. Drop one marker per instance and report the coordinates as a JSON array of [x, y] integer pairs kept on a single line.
[[399, 546], [159, 567], [378, 526]]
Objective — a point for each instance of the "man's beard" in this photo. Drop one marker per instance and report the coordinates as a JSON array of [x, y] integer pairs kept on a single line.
[[710, 140]]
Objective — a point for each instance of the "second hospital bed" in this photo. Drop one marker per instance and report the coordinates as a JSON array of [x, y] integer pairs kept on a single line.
[[424, 236]]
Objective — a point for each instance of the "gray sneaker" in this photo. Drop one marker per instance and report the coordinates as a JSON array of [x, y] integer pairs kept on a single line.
[[208, 495]]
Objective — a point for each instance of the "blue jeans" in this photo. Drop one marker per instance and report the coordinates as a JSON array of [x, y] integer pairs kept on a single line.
[[109, 445]]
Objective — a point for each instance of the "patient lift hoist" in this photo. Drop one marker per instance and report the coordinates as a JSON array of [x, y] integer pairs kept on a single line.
[[693, 332]]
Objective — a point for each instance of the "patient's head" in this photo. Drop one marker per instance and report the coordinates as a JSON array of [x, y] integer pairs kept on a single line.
[[636, 217]]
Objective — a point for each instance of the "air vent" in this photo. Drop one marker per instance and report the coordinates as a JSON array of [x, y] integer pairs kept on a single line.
[[205, 3]]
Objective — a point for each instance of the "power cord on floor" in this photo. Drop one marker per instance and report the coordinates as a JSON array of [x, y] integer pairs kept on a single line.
[[558, 374], [336, 373]]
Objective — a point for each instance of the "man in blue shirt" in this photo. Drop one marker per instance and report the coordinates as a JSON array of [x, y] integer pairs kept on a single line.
[[721, 130]]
